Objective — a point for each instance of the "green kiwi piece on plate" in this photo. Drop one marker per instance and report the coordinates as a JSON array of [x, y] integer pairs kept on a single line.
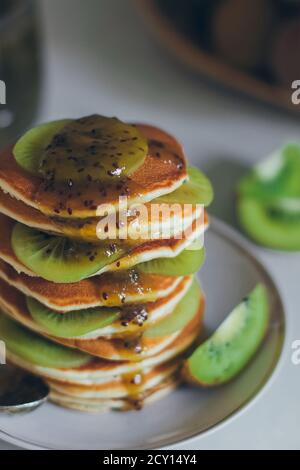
[[183, 313], [224, 355], [268, 204], [197, 189], [71, 324], [270, 227], [186, 263], [93, 148], [29, 148], [38, 350], [59, 259]]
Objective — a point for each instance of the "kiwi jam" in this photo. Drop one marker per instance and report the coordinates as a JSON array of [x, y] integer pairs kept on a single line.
[[134, 386], [93, 149], [92, 161], [128, 283], [89, 158]]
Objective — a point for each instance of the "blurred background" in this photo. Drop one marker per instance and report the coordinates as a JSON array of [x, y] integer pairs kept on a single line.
[[216, 73]]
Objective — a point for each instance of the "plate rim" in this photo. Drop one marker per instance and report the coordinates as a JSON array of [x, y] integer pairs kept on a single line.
[[236, 239]]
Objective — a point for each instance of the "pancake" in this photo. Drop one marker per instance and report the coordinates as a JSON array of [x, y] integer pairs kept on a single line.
[[163, 171], [126, 287], [145, 252], [159, 222], [13, 303], [119, 386], [130, 347], [117, 391], [126, 404], [133, 348], [99, 371], [102, 385]]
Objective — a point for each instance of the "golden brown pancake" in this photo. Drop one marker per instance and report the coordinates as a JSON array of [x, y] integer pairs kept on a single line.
[[88, 229], [126, 404], [147, 251], [118, 386], [114, 391], [163, 171], [132, 346], [109, 289], [13, 303], [99, 371]]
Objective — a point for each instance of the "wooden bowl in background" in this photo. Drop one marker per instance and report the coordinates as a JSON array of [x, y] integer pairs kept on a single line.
[[209, 65]]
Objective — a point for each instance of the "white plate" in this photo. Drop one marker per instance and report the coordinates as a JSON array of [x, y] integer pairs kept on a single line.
[[230, 272]]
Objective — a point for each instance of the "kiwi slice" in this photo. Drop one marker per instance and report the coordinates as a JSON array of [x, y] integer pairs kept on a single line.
[[37, 350], [59, 259], [276, 178], [229, 349], [269, 200], [30, 146], [197, 189], [269, 226], [184, 312], [93, 148], [71, 324], [186, 263]]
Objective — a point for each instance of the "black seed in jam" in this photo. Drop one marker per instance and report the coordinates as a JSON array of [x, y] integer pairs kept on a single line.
[[113, 247], [70, 211], [92, 258], [156, 143], [105, 295]]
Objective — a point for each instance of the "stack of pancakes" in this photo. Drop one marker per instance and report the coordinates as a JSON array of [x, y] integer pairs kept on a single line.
[[152, 319]]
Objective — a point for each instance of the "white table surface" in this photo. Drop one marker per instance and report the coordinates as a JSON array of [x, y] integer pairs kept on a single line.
[[100, 58]]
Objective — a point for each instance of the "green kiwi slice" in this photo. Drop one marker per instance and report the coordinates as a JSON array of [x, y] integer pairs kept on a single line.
[[186, 263], [29, 148], [221, 357], [184, 312], [269, 200], [59, 259], [71, 324], [91, 148], [197, 189], [37, 350], [269, 226], [275, 179]]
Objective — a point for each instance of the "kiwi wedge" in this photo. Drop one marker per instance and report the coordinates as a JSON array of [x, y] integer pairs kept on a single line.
[[197, 189], [29, 148], [71, 324], [270, 227], [221, 357], [186, 263], [183, 313], [37, 350], [59, 259]]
